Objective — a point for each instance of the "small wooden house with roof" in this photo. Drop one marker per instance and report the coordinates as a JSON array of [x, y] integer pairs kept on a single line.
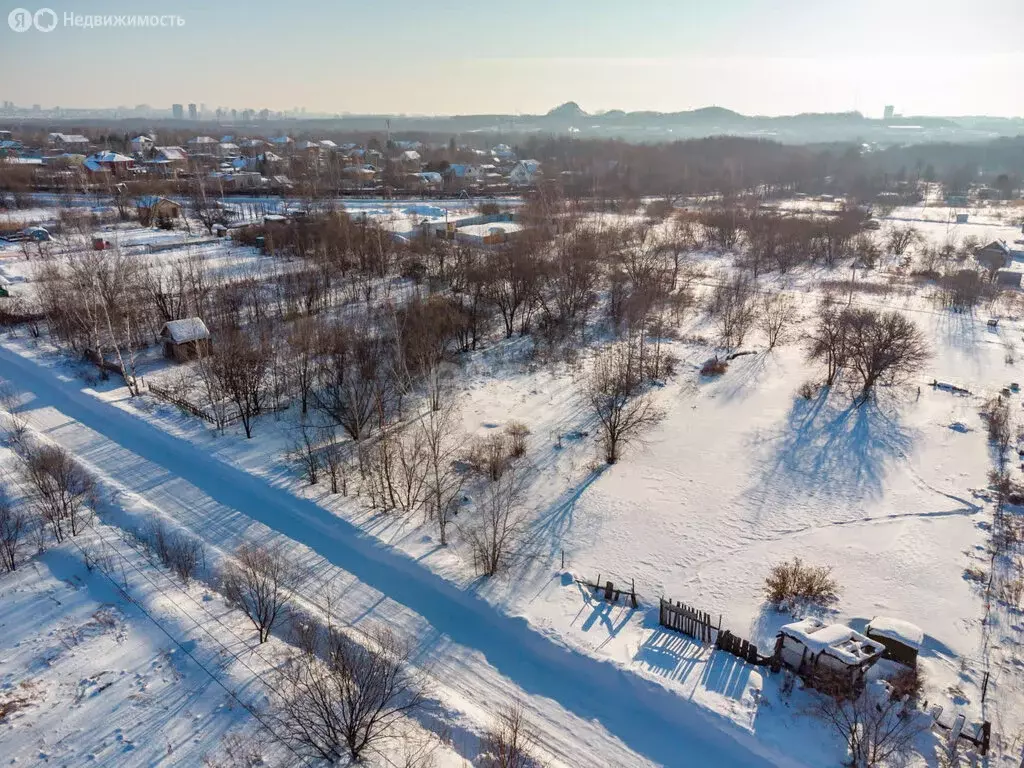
[[184, 339]]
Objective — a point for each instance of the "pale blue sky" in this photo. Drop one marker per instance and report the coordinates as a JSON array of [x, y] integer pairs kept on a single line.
[[459, 56]]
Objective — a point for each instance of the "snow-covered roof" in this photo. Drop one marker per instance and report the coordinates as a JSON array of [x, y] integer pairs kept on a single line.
[[186, 330], [69, 138], [172, 153], [328, 144], [203, 140], [899, 630], [838, 640], [461, 169], [227, 145], [997, 245], [111, 157], [411, 155]]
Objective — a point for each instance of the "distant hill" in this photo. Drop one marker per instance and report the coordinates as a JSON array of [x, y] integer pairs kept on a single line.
[[570, 110]]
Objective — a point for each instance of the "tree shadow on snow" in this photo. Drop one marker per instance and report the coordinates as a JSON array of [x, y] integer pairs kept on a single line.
[[838, 448]]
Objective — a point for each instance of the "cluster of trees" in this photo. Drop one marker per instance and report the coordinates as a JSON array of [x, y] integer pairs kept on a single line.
[[59, 503]]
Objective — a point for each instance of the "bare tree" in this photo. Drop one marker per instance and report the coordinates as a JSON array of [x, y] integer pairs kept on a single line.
[[257, 582], [900, 238], [777, 313], [335, 463], [614, 391], [63, 492], [13, 526], [443, 479], [342, 700], [241, 363], [510, 743], [828, 342], [877, 726], [495, 537], [883, 347], [733, 306], [305, 452]]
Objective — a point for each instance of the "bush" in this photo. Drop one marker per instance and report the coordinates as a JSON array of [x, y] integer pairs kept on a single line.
[[793, 583], [489, 456], [808, 390], [714, 367], [517, 433], [907, 682]]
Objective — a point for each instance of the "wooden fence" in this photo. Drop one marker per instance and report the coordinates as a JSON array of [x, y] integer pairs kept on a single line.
[[181, 402], [737, 646], [689, 621]]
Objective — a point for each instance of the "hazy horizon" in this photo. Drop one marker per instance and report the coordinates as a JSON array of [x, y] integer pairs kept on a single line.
[[455, 57]]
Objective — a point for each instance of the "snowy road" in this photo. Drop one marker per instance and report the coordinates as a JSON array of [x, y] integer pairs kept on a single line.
[[589, 711]]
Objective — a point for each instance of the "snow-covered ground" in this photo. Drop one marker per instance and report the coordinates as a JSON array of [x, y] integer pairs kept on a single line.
[[742, 473]]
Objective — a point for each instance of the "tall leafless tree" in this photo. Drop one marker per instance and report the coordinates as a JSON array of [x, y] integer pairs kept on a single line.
[[443, 479], [883, 347], [13, 527], [257, 581], [614, 390], [777, 313], [342, 699], [63, 492]]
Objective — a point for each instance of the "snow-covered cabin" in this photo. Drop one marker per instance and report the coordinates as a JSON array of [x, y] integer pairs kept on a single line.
[[832, 654], [185, 338], [902, 640], [525, 173], [228, 149]]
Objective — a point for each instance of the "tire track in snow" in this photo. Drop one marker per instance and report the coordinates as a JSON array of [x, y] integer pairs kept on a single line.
[[646, 718]]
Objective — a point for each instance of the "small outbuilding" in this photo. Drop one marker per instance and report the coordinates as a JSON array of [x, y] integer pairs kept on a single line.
[[1008, 278], [152, 209], [902, 640], [184, 339], [827, 654]]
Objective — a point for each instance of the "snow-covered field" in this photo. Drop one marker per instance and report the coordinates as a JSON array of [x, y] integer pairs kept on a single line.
[[742, 473]]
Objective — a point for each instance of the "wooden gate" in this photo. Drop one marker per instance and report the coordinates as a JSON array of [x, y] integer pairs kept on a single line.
[[689, 621]]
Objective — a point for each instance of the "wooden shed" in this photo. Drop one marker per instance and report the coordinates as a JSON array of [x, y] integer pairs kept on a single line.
[[826, 654], [902, 640], [184, 339], [153, 209]]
